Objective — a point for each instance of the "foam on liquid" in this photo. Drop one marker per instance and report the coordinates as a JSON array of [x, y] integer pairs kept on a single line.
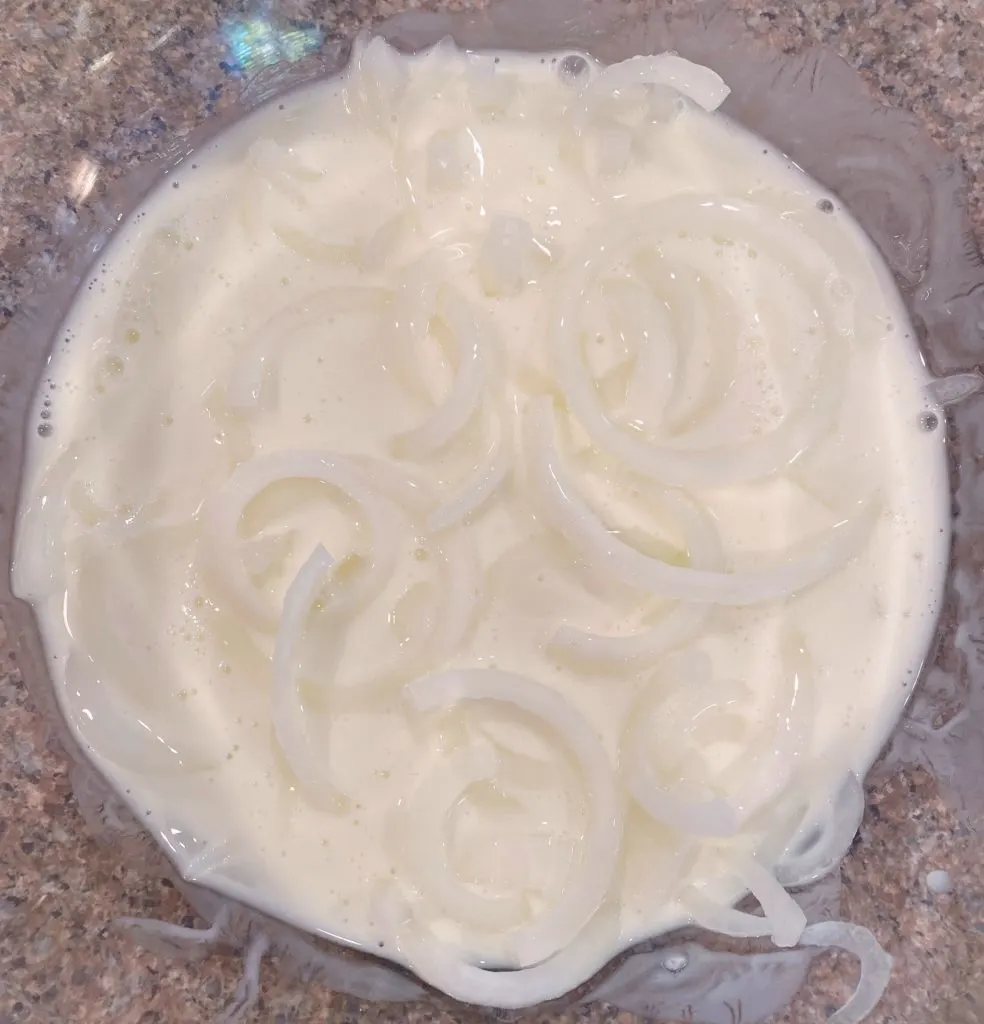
[[141, 430]]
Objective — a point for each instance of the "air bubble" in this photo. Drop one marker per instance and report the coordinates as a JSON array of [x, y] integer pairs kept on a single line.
[[45, 429], [676, 963], [573, 66], [112, 366]]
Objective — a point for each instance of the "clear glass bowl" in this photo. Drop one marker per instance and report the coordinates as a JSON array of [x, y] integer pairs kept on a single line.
[[910, 197]]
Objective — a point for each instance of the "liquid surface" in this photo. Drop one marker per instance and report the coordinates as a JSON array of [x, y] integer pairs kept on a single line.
[[375, 434]]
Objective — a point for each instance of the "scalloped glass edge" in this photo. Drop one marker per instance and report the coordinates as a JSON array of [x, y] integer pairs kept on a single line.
[[906, 192]]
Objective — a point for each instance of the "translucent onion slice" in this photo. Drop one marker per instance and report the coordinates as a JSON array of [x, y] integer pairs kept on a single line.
[[706, 368], [306, 755], [592, 877], [376, 84], [784, 920], [219, 547], [876, 965], [41, 529], [783, 913], [702, 85], [463, 591], [804, 861], [471, 339], [773, 765], [605, 552], [682, 624], [644, 324], [669, 804], [441, 966], [491, 474], [312, 248], [453, 618], [244, 390], [503, 264], [752, 459], [419, 836]]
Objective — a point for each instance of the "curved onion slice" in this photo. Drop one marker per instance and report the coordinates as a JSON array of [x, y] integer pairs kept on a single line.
[[307, 758], [702, 85], [41, 529], [681, 624], [442, 966], [784, 919], [768, 772], [714, 817], [219, 544], [244, 390], [772, 765], [421, 825], [876, 965], [753, 459], [492, 473], [706, 367], [470, 336], [833, 837], [592, 877], [644, 324], [784, 914], [603, 550]]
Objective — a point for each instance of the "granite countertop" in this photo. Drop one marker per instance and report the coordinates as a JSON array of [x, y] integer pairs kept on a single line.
[[107, 82]]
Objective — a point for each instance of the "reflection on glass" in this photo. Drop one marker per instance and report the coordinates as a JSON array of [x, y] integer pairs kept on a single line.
[[255, 42]]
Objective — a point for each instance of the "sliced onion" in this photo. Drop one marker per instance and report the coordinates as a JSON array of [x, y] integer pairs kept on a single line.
[[706, 367], [312, 248], [463, 591], [492, 473], [245, 386], [773, 764], [503, 264], [420, 825], [441, 966], [381, 244], [876, 965], [41, 529], [702, 85], [671, 804], [306, 756], [375, 84], [785, 916], [753, 459], [784, 920], [453, 618], [645, 326], [470, 335], [769, 772], [219, 547], [834, 834], [604, 551], [682, 624], [592, 878]]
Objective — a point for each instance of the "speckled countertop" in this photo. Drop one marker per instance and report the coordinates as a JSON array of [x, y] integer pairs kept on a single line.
[[104, 82]]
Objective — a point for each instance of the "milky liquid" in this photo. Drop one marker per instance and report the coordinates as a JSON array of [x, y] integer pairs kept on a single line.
[[246, 264]]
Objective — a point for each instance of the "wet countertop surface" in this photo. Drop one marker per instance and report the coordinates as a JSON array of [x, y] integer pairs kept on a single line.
[[101, 85]]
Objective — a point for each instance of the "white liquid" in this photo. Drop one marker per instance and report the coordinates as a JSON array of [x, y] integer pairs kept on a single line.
[[142, 430]]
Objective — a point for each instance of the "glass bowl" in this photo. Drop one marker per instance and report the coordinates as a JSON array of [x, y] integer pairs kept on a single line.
[[910, 197]]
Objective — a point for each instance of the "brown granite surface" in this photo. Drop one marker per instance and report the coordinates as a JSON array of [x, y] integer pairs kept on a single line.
[[105, 82]]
